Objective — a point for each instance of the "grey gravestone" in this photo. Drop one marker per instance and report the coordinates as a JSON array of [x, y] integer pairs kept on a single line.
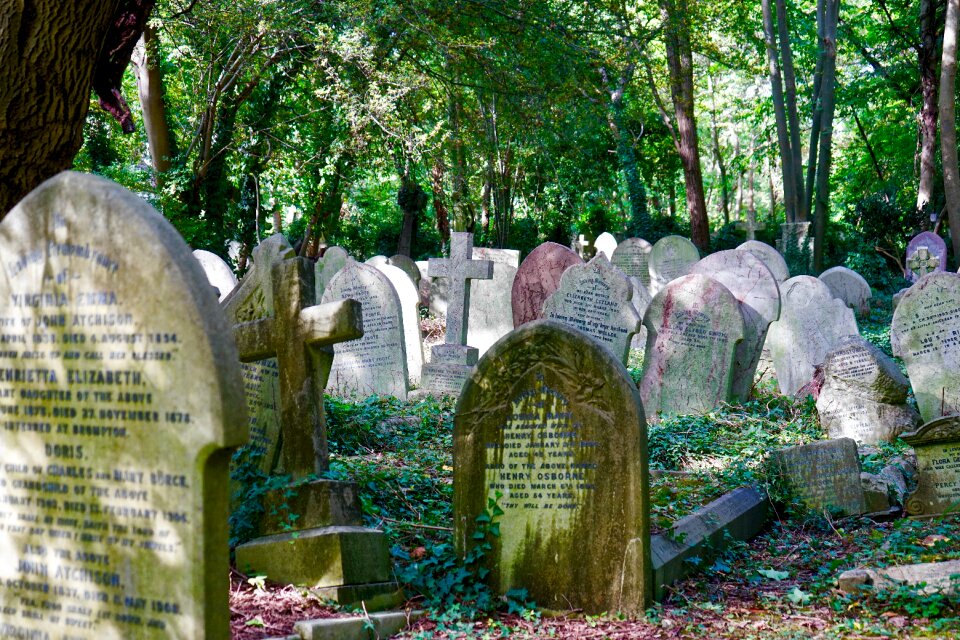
[[491, 316], [926, 253], [641, 302], [410, 317], [537, 278], [219, 273], [606, 243], [439, 293], [509, 257], [849, 286], [825, 475], [921, 579], [864, 395], [755, 288], [452, 361], [376, 363], [693, 327], [632, 256], [770, 257], [595, 298], [670, 258], [408, 266], [812, 323], [333, 259], [121, 396], [925, 333], [376, 261], [937, 444], [552, 423]]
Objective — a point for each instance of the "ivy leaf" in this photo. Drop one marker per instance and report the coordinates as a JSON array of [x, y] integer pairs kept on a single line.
[[799, 597], [773, 574]]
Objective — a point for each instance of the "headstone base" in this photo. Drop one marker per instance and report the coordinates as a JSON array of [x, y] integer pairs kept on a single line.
[[375, 597], [449, 367]]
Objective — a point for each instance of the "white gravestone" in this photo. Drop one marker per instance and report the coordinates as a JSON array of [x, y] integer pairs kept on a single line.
[[849, 286], [409, 310], [670, 258], [218, 272]]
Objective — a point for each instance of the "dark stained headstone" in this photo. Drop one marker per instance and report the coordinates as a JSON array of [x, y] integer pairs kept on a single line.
[[937, 445], [538, 277], [926, 253], [825, 475]]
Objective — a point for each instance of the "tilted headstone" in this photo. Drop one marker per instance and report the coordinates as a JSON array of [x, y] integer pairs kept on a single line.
[[825, 475], [937, 445], [219, 273], [537, 278], [770, 257], [812, 323], [693, 327], [503, 256], [333, 259], [552, 424], [491, 315], [120, 395], [670, 258], [595, 298], [632, 256], [376, 363], [451, 362], [925, 333], [926, 253], [864, 395], [849, 286], [606, 243], [408, 266], [755, 288], [410, 317], [796, 245]]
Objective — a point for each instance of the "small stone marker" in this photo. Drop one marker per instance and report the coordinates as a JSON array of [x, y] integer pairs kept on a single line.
[[509, 257], [632, 256], [552, 423], [333, 259], [452, 362], [937, 444], [925, 332], [864, 395], [693, 327], [754, 287], [595, 299], [926, 578], [537, 278], [849, 286], [376, 363], [926, 253], [218, 272], [410, 319], [812, 323], [825, 474], [606, 243], [770, 257], [120, 394], [408, 266], [670, 258], [491, 315]]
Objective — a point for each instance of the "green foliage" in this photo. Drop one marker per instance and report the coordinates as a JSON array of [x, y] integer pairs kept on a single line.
[[249, 485]]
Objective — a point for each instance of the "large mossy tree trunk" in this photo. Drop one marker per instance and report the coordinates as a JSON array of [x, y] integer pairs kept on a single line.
[[948, 123], [928, 111], [831, 15]]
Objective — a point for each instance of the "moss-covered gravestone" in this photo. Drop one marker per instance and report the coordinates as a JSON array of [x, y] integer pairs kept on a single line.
[[825, 475], [937, 444], [120, 395], [551, 422]]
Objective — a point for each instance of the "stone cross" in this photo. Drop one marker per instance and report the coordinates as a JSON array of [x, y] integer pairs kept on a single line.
[[580, 245], [459, 269], [296, 336], [923, 262], [751, 226]]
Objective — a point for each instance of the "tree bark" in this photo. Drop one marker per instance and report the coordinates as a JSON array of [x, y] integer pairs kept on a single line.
[[928, 111], [439, 200], [866, 141], [948, 124], [793, 122], [780, 116], [822, 205], [816, 111], [718, 156], [412, 200], [639, 218], [146, 64]]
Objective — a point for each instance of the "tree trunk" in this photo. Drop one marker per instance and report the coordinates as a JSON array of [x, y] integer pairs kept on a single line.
[[866, 141], [718, 156], [439, 201], [793, 122], [146, 65], [412, 200], [928, 111], [816, 111], [639, 218], [780, 116], [822, 206], [948, 124]]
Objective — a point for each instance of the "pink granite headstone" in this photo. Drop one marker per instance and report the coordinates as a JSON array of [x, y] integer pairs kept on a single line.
[[537, 278]]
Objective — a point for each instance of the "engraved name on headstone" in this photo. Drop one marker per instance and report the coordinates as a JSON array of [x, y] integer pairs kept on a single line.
[[937, 445]]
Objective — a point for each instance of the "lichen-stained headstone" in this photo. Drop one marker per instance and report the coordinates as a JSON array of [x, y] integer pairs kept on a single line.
[[537, 278], [120, 393], [218, 272], [595, 299], [670, 258], [926, 253], [693, 327], [409, 301], [825, 475], [376, 363], [491, 314], [812, 323], [937, 445], [606, 243], [849, 286], [332, 260], [926, 333], [503, 256], [551, 423], [753, 285], [632, 256], [771, 257]]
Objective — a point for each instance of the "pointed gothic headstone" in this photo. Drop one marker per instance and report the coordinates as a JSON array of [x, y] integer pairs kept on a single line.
[[606, 243]]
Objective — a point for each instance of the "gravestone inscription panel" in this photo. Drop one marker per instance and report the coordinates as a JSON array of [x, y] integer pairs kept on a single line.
[[632, 256], [119, 394], [937, 445]]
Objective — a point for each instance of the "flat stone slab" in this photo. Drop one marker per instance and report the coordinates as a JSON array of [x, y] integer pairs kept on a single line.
[[930, 577], [825, 475], [371, 627]]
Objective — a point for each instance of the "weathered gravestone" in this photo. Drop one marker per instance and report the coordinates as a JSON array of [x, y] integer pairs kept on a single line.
[[219, 273], [491, 314], [824, 475], [509, 257], [410, 319], [606, 243], [849, 286], [333, 259], [120, 397], [937, 444], [755, 288], [550, 427], [595, 298], [451, 362], [641, 302], [925, 333], [376, 363], [864, 395], [311, 531], [812, 323], [439, 293], [408, 266], [670, 258], [693, 327], [376, 261], [632, 256], [926, 253], [770, 257], [537, 278]]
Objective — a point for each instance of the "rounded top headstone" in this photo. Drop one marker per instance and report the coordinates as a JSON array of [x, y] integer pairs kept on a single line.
[[408, 266], [771, 257], [218, 272], [747, 277], [849, 286], [670, 258], [606, 243], [926, 253], [537, 278], [377, 260]]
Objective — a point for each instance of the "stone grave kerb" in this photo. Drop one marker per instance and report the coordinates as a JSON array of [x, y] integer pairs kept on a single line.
[[460, 269]]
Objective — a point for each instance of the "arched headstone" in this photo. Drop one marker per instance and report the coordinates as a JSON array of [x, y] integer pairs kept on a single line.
[[408, 266], [606, 243], [670, 258], [218, 272], [333, 259], [849, 286], [537, 278], [926, 253], [632, 256], [409, 301], [771, 257]]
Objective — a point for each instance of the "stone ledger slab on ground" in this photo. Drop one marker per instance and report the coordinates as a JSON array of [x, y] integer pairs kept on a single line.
[[825, 475]]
